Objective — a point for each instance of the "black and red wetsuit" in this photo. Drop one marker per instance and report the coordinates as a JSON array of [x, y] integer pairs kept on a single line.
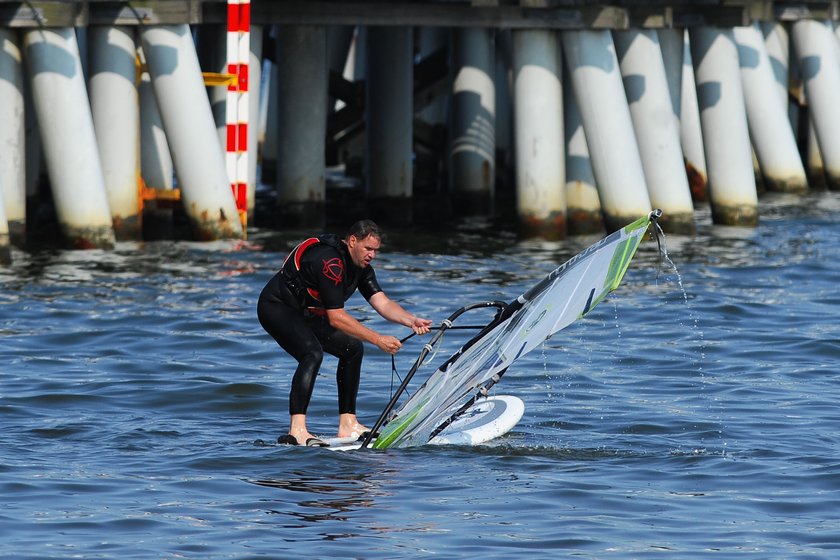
[[317, 275]]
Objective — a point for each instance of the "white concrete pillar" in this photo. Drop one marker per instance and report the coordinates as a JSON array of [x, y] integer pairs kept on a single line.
[[388, 112], [190, 131], [672, 46], [302, 125], [723, 119], [770, 131], [538, 126], [12, 127], [583, 205], [156, 165], [656, 127], [472, 150], [116, 119], [777, 42], [819, 65], [777, 45], [157, 168], [599, 91], [691, 136], [69, 142]]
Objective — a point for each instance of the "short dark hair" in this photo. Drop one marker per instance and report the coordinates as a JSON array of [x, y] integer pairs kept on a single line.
[[363, 228]]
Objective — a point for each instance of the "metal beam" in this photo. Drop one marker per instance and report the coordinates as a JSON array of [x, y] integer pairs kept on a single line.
[[434, 14], [57, 13], [501, 14]]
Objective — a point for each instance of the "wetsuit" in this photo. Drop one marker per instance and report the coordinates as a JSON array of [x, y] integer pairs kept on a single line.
[[317, 275]]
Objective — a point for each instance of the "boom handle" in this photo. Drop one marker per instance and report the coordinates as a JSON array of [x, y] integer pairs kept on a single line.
[[446, 324]]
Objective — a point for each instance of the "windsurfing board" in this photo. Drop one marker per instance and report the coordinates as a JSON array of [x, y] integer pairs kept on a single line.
[[487, 419]]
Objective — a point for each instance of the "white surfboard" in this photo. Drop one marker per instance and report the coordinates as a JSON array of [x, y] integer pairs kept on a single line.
[[487, 419]]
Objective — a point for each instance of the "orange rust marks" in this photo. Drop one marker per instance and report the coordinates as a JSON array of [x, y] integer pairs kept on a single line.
[[585, 221], [84, 243], [697, 183], [552, 228]]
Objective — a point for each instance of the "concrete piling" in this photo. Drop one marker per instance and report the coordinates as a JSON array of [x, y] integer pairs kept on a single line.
[[538, 118], [657, 115], [190, 131], [472, 116], [116, 119], [12, 137], [819, 64], [657, 131], [301, 125], [617, 165], [723, 120], [583, 205], [389, 169], [156, 167], [691, 136], [68, 139], [770, 130]]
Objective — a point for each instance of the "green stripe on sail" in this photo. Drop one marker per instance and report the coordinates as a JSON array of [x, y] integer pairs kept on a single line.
[[384, 440], [620, 262], [624, 254], [644, 221]]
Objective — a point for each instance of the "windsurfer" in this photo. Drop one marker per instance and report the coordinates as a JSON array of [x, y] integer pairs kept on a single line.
[[302, 308]]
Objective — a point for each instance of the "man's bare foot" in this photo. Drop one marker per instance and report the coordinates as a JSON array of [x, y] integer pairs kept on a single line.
[[301, 436], [349, 426], [297, 429], [355, 432]]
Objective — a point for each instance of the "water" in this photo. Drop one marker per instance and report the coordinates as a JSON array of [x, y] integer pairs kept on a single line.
[[694, 412]]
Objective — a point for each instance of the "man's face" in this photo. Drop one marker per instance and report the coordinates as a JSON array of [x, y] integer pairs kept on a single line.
[[362, 251]]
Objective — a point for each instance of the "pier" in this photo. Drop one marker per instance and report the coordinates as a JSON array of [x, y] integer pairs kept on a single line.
[[155, 119]]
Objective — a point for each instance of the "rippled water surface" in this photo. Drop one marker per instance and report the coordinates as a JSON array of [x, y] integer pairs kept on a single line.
[[695, 411]]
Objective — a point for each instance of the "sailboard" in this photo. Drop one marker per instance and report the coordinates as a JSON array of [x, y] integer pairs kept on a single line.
[[486, 419], [566, 294]]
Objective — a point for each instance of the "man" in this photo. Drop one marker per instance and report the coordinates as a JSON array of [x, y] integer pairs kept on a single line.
[[302, 308]]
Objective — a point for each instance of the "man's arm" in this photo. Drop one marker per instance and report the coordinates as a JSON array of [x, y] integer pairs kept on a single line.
[[394, 312], [345, 322]]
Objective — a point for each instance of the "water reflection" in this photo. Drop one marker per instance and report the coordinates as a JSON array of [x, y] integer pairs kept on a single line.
[[316, 498]]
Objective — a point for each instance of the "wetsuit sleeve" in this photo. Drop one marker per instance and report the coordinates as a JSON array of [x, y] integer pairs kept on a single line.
[[368, 285]]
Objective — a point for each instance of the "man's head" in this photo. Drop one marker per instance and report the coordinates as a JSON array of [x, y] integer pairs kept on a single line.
[[363, 240]]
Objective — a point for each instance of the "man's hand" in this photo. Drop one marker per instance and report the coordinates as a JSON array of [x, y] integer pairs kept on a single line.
[[420, 326], [388, 344]]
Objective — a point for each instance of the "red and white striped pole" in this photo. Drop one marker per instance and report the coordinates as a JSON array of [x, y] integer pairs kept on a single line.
[[236, 104]]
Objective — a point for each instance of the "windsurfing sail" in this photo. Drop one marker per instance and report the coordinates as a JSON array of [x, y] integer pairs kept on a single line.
[[568, 293]]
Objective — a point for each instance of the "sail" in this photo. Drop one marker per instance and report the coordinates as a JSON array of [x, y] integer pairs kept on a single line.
[[566, 294]]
